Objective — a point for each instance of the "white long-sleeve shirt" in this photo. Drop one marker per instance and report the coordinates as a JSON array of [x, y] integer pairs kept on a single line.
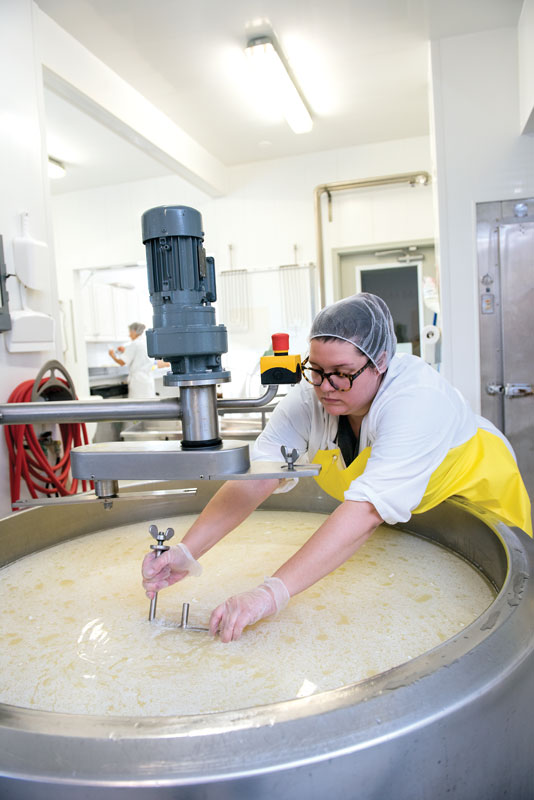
[[141, 384], [414, 420]]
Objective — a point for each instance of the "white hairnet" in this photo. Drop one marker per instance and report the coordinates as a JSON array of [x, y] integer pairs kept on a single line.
[[365, 321], [137, 327]]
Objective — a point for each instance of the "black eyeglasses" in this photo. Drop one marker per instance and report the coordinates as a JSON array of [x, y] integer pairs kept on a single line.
[[337, 380]]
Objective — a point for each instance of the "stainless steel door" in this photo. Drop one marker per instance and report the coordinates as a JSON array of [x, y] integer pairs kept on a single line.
[[506, 274], [516, 245]]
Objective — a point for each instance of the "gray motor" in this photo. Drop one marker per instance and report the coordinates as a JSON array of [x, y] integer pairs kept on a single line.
[[181, 281]]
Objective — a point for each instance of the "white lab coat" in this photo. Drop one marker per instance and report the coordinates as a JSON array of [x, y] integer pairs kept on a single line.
[[141, 384], [415, 418]]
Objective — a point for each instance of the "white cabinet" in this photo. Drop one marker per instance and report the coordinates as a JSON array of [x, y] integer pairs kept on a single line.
[[124, 310], [111, 300], [108, 310], [103, 311]]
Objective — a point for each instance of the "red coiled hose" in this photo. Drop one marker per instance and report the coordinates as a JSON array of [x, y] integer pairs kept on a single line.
[[27, 458]]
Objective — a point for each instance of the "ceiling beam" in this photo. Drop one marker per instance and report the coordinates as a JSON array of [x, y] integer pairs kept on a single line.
[[73, 72]]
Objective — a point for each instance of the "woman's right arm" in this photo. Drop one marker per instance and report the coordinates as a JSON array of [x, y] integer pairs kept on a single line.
[[232, 504]]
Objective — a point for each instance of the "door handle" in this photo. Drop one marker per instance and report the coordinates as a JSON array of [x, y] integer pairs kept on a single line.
[[510, 389], [518, 389]]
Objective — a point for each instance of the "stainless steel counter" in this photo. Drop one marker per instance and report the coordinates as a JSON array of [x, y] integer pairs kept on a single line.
[[108, 381]]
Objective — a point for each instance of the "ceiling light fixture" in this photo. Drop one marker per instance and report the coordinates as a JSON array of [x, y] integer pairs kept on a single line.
[[275, 76], [56, 169]]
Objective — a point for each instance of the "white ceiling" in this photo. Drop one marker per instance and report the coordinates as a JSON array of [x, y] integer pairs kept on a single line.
[[362, 64]]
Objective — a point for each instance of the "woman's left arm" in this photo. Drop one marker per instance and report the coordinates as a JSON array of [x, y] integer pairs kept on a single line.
[[337, 539]]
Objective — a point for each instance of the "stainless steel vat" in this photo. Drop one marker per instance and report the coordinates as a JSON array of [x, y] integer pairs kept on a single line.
[[454, 722]]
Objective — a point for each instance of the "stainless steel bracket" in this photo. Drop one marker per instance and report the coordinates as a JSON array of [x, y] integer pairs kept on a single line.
[[166, 460], [91, 497]]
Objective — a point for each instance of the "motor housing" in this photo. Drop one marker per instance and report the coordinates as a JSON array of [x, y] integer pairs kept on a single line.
[[181, 282]]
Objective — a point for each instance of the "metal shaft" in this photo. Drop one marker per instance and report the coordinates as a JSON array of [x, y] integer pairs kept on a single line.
[[90, 411], [199, 413], [153, 604], [185, 615], [109, 410], [154, 601]]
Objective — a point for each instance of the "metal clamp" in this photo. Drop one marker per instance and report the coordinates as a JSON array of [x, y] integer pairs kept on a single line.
[[290, 458]]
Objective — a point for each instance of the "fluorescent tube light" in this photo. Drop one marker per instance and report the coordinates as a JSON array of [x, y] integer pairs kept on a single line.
[[274, 74], [56, 169]]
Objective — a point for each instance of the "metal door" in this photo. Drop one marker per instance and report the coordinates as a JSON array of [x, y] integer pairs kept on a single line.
[[506, 275]]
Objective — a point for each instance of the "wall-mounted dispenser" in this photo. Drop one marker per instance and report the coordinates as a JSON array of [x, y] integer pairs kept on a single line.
[[31, 259], [5, 319], [30, 331]]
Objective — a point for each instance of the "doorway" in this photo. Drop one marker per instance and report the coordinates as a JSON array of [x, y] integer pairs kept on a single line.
[[400, 276]]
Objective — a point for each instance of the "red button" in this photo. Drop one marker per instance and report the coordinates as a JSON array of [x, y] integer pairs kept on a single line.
[[280, 342]]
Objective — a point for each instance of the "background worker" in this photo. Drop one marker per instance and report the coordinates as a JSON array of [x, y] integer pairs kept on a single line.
[[393, 438], [141, 383]]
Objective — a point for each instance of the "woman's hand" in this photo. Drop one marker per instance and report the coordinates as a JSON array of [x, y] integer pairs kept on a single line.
[[170, 567], [231, 617]]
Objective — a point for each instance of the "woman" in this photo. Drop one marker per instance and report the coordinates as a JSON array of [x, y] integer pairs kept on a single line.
[[393, 438], [141, 384]]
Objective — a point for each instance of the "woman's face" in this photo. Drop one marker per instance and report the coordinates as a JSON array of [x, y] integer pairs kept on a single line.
[[338, 356]]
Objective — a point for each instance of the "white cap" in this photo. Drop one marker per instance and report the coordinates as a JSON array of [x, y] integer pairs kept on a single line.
[[365, 321]]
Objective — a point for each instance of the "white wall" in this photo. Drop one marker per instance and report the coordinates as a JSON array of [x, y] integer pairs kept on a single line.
[[80, 76], [270, 206], [480, 156], [526, 67], [24, 188], [267, 213]]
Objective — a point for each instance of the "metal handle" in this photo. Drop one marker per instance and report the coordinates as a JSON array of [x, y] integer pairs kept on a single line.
[[510, 389], [159, 548], [518, 389]]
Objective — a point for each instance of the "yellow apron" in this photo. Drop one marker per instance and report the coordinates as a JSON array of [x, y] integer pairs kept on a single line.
[[481, 470]]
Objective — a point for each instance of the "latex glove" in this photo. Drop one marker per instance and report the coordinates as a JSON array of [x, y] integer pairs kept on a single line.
[[170, 567], [231, 617]]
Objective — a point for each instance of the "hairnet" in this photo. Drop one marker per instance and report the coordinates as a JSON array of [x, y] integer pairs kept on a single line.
[[365, 321], [137, 328]]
